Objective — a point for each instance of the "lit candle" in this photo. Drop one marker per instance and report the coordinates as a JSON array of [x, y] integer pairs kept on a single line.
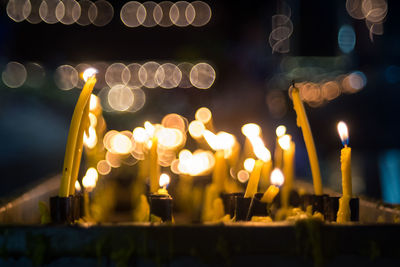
[[277, 180], [263, 156], [278, 153], [74, 131], [288, 147], [163, 182], [344, 213], [302, 122], [154, 168]]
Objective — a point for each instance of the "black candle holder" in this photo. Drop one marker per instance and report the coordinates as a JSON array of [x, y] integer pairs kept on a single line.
[[61, 209], [315, 201], [161, 206], [257, 208], [242, 205], [228, 199], [331, 207], [77, 205]]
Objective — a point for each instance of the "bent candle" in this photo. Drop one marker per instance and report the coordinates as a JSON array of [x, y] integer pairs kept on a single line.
[[303, 123], [74, 133]]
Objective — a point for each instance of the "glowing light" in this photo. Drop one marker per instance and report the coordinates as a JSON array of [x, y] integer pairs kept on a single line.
[[343, 133], [354, 82], [114, 74], [346, 38], [202, 76], [91, 140], [330, 90], [168, 76], [140, 135], [149, 20], [196, 129], [14, 75], [164, 180], [185, 69], [101, 13], [120, 144], [185, 155], [34, 16], [221, 141], [147, 73], [114, 160], [18, 10], [86, 5], [78, 186], [103, 167], [243, 176], [248, 164], [161, 14], [150, 129], [94, 102], [130, 76], [203, 114], [280, 130], [176, 121], [277, 177], [90, 179], [353, 7], [47, 11], [89, 73], [131, 14], [201, 15], [374, 10], [68, 11], [251, 130], [199, 163], [284, 142], [260, 150], [169, 138], [120, 97], [178, 13]]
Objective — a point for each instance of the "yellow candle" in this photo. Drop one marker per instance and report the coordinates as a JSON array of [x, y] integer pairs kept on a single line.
[[277, 180], [220, 171], [288, 147], [302, 122], [154, 168], [343, 214], [265, 174], [278, 153], [252, 185], [74, 132]]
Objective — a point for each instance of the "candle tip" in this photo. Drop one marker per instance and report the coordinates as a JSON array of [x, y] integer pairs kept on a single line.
[[343, 133], [89, 72]]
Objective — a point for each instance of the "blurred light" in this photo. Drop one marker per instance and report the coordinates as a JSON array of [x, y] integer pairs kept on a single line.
[[120, 144], [34, 16], [374, 10], [202, 76], [196, 129], [280, 130], [18, 10], [91, 140], [92, 119], [199, 163], [161, 14], [130, 76], [170, 138], [392, 74], [353, 7], [114, 75], [168, 76], [330, 90], [185, 69], [90, 179], [140, 135], [150, 129], [66, 77], [248, 164], [276, 103], [149, 20], [103, 167], [262, 153], [86, 5], [120, 97], [35, 75], [277, 177], [175, 121], [374, 28], [243, 176], [113, 160], [282, 29], [89, 72], [132, 14], [101, 13], [78, 186], [251, 130], [164, 180], [202, 14], [68, 11], [80, 68], [284, 142], [14, 74], [343, 132], [357, 80], [139, 99], [47, 11], [204, 115], [178, 13], [346, 38], [93, 102], [147, 74]]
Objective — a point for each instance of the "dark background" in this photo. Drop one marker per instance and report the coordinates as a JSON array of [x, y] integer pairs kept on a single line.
[[34, 122]]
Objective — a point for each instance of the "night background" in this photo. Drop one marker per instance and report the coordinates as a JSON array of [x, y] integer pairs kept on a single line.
[[253, 75]]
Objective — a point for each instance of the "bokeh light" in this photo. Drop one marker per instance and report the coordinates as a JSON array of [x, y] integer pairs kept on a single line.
[[204, 115], [202, 76], [35, 75], [14, 74], [130, 76], [202, 13], [196, 129], [18, 10], [86, 5], [147, 73], [149, 20], [248, 164], [133, 14], [101, 13], [68, 11], [346, 38], [178, 11], [120, 97], [114, 75], [185, 69], [168, 76], [47, 11], [176, 121], [243, 176], [66, 77], [161, 14], [103, 167]]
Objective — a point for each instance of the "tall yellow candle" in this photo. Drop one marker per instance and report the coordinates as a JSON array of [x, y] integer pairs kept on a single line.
[[344, 213], [252, 185], [220, 171], [277, 180], [154, 168], [302, 122], [288, 148], [74, 131], [278, 153]]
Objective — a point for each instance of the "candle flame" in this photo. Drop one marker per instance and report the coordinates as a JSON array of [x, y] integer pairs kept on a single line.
[[220, 141], [90, 179], [198, 163], [277, 177], [343, 133], [280, 130], [284, 141], [164, 180], [93, 102], [140, 135], [248, 164], [91, 140], [259, 149], [150, 129], [89, 73], [251, 130], [196, 129], [77, 186]]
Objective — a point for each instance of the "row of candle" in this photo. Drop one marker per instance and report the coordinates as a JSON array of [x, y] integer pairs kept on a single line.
[[227, 152]]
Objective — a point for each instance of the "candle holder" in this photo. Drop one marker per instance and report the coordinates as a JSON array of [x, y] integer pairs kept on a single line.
[[77, 206], [331, 207], [61, 209], [228, 199], [258, 208], [161, 206], [315, 201], [242, 205]]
